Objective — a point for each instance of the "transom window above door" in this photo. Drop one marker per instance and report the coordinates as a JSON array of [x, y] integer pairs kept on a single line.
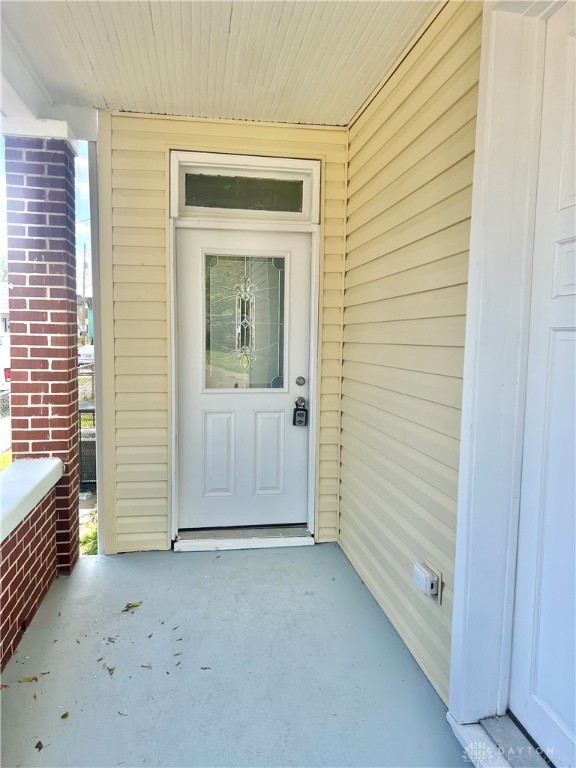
[[216, 186]]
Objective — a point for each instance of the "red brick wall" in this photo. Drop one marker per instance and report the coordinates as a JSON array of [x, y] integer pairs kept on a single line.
[[27, 568], [43, 317]]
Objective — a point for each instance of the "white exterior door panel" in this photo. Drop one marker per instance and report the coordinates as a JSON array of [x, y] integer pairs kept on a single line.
[[543, 680], [241, 461]]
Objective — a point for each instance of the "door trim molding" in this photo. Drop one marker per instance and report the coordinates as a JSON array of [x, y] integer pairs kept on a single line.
[[256, 225], [501, 246]]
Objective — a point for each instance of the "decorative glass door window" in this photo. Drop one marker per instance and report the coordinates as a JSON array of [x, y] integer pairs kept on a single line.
[[244, 316]]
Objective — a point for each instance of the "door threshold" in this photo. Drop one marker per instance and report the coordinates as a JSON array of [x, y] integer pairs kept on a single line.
[[215, 539], [497, 742]]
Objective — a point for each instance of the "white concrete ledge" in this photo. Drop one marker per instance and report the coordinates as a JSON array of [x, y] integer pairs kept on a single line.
[[22, 486]]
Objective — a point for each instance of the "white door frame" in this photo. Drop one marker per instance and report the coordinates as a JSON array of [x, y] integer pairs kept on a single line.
[[501, 247], [266, 224]]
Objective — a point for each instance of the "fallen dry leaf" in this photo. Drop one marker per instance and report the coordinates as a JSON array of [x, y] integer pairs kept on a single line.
[[44, 673], [31, 679], [110, 670], [38, 746], [131, 606], [177, 654], [100, 659], [3, 685], [64, 715]]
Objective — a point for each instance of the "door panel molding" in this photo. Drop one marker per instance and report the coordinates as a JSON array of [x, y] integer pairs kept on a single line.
[[219, 430], [268, 474]]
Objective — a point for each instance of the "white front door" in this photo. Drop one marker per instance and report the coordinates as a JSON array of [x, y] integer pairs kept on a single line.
[[243, 358], [543, 683]]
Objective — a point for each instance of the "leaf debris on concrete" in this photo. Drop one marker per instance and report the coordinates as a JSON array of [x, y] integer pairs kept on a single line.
[[110, 670], [130, 607], [123, 714], [64, 715], [3, 685], [177, 654], [30, 679], [205, 667], [38, 746], [146, 666]]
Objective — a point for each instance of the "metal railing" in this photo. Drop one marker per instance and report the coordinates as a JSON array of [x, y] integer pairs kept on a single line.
[[87, 427]]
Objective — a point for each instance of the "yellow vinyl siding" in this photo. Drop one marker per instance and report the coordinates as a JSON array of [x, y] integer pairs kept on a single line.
[[409, 202], [134, 156]]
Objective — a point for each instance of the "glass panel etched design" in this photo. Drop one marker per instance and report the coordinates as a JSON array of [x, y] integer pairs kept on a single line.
[[244, 322], [244, 192]]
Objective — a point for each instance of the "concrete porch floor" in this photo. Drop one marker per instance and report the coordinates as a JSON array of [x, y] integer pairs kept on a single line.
[[277, 657]]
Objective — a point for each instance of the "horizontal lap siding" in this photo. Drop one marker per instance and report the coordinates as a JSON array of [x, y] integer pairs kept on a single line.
[[135, 263], [409, 201]]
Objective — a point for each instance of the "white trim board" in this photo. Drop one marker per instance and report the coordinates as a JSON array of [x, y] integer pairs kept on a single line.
[[503, 209], [97, 304]]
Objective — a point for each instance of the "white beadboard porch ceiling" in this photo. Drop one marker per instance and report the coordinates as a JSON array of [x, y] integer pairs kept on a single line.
[[301, 61]]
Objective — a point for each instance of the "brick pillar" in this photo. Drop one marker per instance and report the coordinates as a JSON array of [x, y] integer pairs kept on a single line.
[[43, 318]]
